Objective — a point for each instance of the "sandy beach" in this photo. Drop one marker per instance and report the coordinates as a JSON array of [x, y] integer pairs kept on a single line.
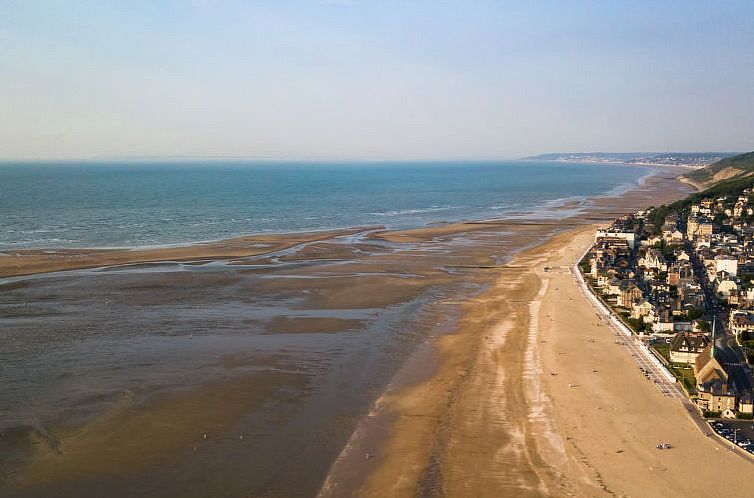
[[541, 401], [533, 397]]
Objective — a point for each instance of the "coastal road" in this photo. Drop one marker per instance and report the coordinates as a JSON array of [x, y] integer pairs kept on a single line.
[[730, 354]]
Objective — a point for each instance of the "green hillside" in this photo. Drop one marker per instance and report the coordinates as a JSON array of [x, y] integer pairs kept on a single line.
[[732, 186], [735, 167]]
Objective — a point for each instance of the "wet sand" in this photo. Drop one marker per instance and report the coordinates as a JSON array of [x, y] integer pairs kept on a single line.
[[408, 349], [32, 261], [118, 372]]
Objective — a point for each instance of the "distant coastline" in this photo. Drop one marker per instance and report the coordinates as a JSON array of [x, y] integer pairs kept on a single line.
[[692, 160]]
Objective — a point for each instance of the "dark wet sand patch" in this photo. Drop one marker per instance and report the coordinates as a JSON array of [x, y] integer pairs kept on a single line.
[[128, 438], [352, 292], [311, 325]]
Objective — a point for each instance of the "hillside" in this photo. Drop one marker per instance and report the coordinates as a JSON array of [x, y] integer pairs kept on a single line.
[[736, 167]]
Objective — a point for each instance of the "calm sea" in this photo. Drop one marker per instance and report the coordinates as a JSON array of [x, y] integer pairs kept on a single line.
[[134, 204]]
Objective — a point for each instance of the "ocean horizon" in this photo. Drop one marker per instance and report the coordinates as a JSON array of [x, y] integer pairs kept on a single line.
[[137, 204]]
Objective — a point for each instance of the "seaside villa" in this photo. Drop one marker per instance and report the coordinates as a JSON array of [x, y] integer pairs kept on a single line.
[[686, 347], [740, 322]]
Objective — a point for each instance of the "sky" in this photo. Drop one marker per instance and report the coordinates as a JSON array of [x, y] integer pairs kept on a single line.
[[373, 80]]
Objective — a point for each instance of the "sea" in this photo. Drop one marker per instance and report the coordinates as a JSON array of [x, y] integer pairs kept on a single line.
[[125, 204]]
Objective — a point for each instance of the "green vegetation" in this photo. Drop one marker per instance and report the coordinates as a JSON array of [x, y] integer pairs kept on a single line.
[[585, 267], [708, 414], [734, 186], [657, 217], [749, 343], [663, 350], [685, 376], [745, 416], [669, 251], [738, 167], [703, 325], [694, 313], [683, 373], [746, 277], [636, 324]]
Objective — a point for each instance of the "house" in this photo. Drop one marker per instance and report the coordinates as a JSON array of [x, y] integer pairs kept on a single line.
[[643, 309], [726, 286], [741, 321], [686, 346], [698, 227], [653, 259], [734, 298], [613, 287], [652, 240], [676, 236], [746, 403], [629, 293]]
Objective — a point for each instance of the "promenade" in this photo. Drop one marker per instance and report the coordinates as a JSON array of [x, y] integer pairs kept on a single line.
[[647, 362]]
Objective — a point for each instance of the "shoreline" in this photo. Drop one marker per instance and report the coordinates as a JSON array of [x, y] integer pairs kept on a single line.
[[467, 255], [20, 262]]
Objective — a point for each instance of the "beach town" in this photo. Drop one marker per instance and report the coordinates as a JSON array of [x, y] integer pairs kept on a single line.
[[680, 285]]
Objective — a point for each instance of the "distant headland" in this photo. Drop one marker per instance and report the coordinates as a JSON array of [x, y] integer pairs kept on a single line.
[[685, 159]]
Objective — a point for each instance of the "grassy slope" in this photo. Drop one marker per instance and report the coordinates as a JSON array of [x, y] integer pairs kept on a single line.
[[730, 168], [731, 186]]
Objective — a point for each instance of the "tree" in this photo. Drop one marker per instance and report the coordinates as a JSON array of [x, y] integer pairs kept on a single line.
[[636, 323], [694, 313], [703, 325]]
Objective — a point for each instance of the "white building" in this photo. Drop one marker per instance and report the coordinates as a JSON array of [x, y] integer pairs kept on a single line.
[[726, 286], [727, 264], [628, 236]]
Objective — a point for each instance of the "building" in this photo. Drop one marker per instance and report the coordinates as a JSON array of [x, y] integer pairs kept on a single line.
[[643, 309], [629, 237], [698, 227], [686, 347], [726, 286], [629, 293], [653, 259], [741, 321], [714, 391], [727, 264], [664, 325]]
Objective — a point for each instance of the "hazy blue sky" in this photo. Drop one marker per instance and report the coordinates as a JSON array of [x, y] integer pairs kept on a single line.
[[373, 79]]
